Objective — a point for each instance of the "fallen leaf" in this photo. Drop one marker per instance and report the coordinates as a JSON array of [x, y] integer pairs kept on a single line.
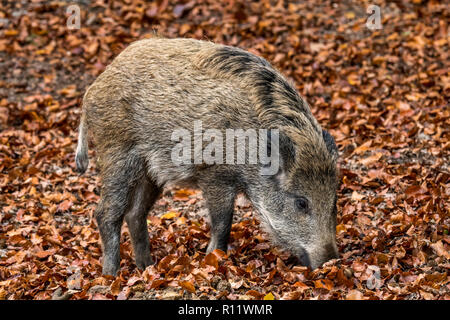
[[269, 296]]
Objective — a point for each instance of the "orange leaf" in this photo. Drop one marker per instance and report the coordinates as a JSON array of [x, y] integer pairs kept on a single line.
[[439, 248], [170, 215], [10, 33], [187, 286], [357, 196], [65, 205], [371, 159], [301, 285], [157, 283], [45, 253], [115, 286], [340, 228], [363, 148], [183, 194], [254, 293], [211, 259], [354, 295], [2, 294], [323, 283]]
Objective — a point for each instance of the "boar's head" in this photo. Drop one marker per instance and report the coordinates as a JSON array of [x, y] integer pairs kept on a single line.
[[298, 204]]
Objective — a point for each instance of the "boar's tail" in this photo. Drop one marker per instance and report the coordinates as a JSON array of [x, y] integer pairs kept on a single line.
[[81, 157]]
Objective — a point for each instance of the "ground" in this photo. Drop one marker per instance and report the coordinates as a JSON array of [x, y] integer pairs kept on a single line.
[[382, 93]]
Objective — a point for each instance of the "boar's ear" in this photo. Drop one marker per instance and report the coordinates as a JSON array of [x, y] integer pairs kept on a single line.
[[287, 152], [331, 145], [281, 152]]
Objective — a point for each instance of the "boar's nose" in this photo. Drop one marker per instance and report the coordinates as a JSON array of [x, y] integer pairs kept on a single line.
[[315, 258], [325, 254], [330, 252]]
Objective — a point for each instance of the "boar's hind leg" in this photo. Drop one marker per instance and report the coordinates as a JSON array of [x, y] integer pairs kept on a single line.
[[119, 178], [220, 203], [144, 196]]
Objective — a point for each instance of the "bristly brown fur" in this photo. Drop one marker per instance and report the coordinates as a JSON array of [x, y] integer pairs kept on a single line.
[[275, 98], [276, 101]]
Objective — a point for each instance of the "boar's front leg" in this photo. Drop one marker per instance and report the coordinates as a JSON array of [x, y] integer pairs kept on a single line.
[[144, 196], [220, 203]]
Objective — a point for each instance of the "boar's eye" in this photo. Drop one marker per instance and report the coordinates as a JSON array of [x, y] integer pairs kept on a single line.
[[301, 204]]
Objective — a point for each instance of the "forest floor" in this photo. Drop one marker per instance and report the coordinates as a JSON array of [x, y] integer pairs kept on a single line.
[[383, 94]]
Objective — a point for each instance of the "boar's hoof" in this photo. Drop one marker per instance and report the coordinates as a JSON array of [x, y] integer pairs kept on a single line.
[[213, 245], [143, 262], [110, 269]]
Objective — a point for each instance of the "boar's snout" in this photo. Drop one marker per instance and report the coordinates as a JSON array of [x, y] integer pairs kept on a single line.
[[315, 258]]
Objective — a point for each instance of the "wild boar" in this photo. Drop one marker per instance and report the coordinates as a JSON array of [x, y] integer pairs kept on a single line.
[[157, 86]]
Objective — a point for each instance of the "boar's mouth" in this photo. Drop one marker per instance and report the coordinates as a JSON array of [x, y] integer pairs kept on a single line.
[[302, 257]]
